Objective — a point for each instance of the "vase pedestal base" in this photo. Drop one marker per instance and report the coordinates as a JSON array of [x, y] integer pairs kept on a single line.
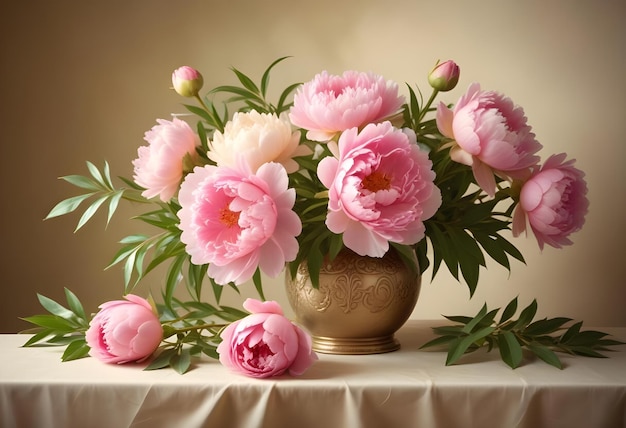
[[355, 346]]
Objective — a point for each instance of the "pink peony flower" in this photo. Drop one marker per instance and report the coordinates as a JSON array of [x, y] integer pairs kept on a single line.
[[331, 104], [124, 331], [444, 76], [160, 166], [380, 189], [238, 221], [554, 201], [187, 81], [265, 343], [258, 138], [491, 135]]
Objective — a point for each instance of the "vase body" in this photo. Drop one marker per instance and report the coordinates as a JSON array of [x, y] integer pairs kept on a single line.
[[359, 305]]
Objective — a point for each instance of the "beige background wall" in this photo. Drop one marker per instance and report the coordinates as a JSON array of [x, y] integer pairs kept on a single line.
[[84, 80]]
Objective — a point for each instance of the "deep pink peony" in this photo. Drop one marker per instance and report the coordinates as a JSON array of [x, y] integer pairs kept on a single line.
[[380, 189], [330, 104], [159, 168], [238, 221], [265, 343], [124, 331], [491, 136], [554, 201]]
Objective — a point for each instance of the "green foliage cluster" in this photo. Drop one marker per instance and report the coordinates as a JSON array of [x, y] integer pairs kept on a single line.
[[541, 338]]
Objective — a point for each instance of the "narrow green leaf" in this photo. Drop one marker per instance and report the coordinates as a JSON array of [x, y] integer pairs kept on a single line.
[[67, 206], [246, 81], [95, 173], [510, 349], [173, 277], [37, 337], [90, 211], [75, 305], [113, 204], [545, 354], [476, 320], [545, 326], [266, 75], [458, 318], [54, 323], [441, 340], [527, 315], [509, 311], [571, 332], [162, 360], [54, 307], [75, 350], [82, 182], [460, 346], [181, 362], [258, 283]]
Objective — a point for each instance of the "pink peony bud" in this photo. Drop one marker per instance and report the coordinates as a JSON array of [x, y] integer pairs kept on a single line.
[[187, 81], [265, 343], [444, 76], [124, 331]]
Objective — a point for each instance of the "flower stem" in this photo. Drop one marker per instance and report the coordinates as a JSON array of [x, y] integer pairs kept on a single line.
[[424, 109]]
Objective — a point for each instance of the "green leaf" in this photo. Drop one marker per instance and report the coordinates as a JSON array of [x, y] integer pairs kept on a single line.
[[571, 332], [546, 326], [162, 360], [266, 76], [246, 81], [545, 354], [438, 341], [509, 311], [510, 349], [461, 345], [52, 322], [181, 362], [67, 206], [75, 350], [37, 337], [90, 211], [82, 182], [54, 307], [75, 304], [258, 283], [527, 315]]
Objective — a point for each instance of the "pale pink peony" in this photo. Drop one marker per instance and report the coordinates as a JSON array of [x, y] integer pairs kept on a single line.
[[258, 138], [380, 189], [124, 331], [265, 343], [160, 166], [238, 221], [554, 201], [329, 104], [491, 136], [187, 81]]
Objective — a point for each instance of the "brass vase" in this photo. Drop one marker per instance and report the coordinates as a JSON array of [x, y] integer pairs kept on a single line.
[[359, 305]]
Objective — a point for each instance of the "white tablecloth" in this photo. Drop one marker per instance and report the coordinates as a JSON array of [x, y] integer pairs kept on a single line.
[[406, 388]]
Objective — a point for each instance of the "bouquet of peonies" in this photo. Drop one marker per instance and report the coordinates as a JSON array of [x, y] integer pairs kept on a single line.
[[350, 162]]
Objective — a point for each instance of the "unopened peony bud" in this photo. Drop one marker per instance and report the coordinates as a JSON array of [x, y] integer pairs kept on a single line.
[[187, 81], [444, 76]]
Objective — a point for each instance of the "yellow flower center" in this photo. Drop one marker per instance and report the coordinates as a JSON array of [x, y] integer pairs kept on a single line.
[[228, 217], [376, 181]]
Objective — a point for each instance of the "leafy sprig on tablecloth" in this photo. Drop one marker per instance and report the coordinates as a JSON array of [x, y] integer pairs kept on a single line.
[[542, 338], [61, 327]]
